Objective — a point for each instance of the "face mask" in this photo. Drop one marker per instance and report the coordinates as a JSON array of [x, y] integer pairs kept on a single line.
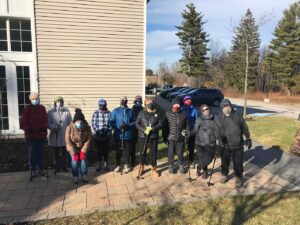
[[78, 124], [188, 102], [150, 106], [58, 104], [175, 108], [227, 110], [102, 107], [35, 101], [138, 103], [124, 103]]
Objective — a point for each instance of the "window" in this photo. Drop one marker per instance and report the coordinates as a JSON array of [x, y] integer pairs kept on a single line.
[[3, 35], [4, 124], [20, 35], [23, 83]]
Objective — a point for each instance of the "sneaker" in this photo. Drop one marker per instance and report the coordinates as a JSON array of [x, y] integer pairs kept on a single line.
[[224, 179], [171, 169], [205, 174], [198, 171], [181, 169], [85, 178], [75, 180], [126, 168], [118, 169], [238, 182]]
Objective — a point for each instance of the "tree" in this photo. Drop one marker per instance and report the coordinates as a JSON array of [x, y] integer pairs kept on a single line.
[[286, 50], [149, 72], [193, 42], [242, 66], [164, 73]]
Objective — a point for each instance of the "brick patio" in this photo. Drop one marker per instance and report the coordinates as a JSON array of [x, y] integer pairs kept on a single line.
[[22, 200]]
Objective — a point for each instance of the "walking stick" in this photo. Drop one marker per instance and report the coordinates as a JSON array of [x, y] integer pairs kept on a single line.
[[212, 170], [186, 135], [122, 146], [144, 152]]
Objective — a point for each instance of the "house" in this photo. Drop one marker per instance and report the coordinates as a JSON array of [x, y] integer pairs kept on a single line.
[[79, 49]]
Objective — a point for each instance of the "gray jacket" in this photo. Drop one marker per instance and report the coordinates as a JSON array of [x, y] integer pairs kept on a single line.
[[58, 123]]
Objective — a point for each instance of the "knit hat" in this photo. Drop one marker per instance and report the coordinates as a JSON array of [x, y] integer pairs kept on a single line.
[[102, 101], [78, 115], [138, 98], [224, 103], [123, 98], [187, 98], [175, 101]]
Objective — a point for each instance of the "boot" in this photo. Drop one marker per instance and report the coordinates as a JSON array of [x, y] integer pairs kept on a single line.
[[198, 170], [238, 182], [224, 179], [140, 170], [171, 169], [154, 172], [181, 169]]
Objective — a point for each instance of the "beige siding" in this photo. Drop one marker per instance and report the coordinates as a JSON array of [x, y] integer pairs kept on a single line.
[[90, 49]]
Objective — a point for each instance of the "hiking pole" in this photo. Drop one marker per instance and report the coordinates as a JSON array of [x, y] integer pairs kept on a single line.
[[186, 135], [143, 153], [122, 146], [212, 170]]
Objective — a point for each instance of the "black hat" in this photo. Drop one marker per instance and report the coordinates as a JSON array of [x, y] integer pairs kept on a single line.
[[175, 101], [78, 115], [224, 103]]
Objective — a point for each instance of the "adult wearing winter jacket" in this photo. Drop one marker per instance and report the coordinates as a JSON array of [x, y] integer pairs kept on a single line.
[[232, 128], [122, 122], [192, 114], [136, 108], [148, 124], [176, 122], [206, 134], [34, 122], [78, 139], [59, 118], [101, 130]]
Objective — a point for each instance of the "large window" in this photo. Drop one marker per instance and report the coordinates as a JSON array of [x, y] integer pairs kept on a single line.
[[4, 124], [20, 35], [23, 81]]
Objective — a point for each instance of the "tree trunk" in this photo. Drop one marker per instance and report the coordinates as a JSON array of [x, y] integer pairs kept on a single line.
[[246, 81]]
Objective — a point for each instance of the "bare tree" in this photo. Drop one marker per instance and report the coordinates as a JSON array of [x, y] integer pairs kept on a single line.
[[164, 73]]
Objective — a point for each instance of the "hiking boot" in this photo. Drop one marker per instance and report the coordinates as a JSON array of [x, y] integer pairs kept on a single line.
[[126, 168], [75, 180], [85, 179], [224, 179], [154, 172], [118, 169], [197, 170], [181, 169], [238, 182], [171, 169], [140, 170], [205, 174]]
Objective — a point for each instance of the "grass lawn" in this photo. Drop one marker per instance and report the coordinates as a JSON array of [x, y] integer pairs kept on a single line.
[[274, 131], [268, 209]]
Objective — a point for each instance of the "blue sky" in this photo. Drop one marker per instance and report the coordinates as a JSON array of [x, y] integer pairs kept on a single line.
[[163, 15]]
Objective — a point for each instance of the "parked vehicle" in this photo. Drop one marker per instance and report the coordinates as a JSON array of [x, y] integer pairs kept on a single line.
[[164, 92], [204, 96], [151, 89], [174, 94]]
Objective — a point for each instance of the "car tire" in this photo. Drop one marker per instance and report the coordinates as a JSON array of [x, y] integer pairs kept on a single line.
[[216, 102]]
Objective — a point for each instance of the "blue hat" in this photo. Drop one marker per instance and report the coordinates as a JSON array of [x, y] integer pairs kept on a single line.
[[102, 101], [186, 98]]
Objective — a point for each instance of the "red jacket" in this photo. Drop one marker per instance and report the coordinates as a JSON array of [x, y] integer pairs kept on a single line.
[[34, 122]]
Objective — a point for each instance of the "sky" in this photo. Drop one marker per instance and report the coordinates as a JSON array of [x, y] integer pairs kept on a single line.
[[164, 15]]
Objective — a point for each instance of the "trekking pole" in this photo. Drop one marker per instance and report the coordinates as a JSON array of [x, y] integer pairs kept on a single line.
[[144, 152], [186, 135], [56, 169], [122, 146], [212, 170]]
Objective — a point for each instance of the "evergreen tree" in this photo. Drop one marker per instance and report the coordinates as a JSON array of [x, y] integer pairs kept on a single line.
[[193, 42], [286, 50]]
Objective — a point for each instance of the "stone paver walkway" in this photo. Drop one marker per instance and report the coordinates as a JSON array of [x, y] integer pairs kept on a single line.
[[22, 200]]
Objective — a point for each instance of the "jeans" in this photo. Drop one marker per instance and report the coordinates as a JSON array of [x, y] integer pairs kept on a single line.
[[80, 166], [152, 145], [178, 147], [36, 152], [237, 158]]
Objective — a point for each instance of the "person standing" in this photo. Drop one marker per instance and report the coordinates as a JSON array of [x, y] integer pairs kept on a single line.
[[78, 140], [101, 130], [232, 128], [34, 122], [122, 122], [136, 108], [175, 125], [206, 134], [192, 114], [59, 118], [148, 124]]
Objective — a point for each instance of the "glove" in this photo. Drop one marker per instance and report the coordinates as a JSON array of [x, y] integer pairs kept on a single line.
[[76, 157], [249, 143], [217, 142], [148, 130], [185, 133], [30, 131], [124, 127], [82, 155]]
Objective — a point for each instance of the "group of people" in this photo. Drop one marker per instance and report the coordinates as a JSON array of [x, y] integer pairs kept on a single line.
[[136, 128]]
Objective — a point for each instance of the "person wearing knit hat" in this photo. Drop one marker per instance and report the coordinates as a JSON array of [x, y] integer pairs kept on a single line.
[[192, 114], [175, 128], [232, 127], [101, 130], [59, 118], [122, 123], [78, 140], [136, 108]]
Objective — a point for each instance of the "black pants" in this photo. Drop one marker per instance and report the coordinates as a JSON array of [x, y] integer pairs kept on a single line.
[[237, 158], [205, 155], [152, 145], [178, 147], [191, 148], [133, 151], [60, 157], [127, 147], [102, 147]]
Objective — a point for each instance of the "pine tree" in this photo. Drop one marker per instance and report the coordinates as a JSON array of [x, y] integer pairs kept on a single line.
[[286, 50], [244, 55], [193, 43]]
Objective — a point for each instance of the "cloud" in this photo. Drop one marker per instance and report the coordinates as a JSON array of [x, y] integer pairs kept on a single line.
[[162, 40]]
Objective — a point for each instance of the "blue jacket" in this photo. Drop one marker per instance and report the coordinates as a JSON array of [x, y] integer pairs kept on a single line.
[[118, 117], [192, 114]]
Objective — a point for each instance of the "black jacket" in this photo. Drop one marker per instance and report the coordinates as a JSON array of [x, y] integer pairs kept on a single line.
[[205, 131], [146, 119], [135, 111], [231, 129], [174, 124]]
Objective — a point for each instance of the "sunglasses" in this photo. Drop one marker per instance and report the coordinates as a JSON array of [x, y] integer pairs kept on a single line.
[[206, 109], [102, 104]]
